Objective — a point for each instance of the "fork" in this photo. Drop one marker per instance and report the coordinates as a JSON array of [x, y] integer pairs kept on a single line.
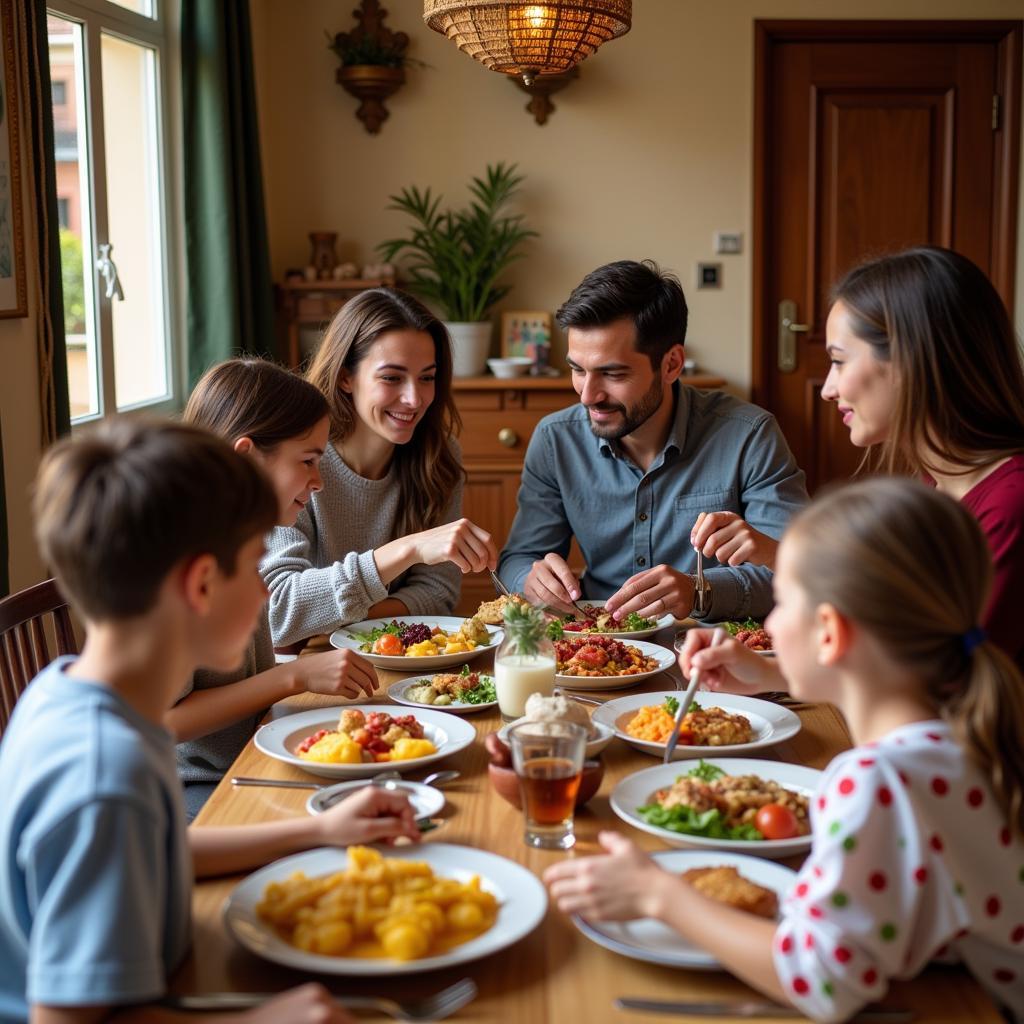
[[498, 585], [436, 1007]]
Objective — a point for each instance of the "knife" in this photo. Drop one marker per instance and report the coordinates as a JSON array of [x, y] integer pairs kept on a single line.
[[750, 1010]]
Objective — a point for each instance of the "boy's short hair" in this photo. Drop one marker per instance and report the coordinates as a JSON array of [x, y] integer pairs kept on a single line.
[[123, 502], [652, 298]]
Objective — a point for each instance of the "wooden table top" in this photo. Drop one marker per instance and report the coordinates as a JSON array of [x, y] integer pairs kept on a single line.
[[555, 975]]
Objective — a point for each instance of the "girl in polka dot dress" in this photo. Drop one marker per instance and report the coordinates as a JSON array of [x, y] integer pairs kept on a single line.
[[918, 831]]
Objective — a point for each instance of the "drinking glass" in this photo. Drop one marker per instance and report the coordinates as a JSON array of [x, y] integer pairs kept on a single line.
[[548, 759], [519, 672]]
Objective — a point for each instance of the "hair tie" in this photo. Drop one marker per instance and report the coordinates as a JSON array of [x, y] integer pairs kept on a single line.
[[972, 638]]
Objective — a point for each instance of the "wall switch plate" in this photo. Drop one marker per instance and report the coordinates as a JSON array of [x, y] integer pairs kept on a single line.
[[728, 242], [709, 275]]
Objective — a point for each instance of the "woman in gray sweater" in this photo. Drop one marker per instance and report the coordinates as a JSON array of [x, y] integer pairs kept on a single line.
[[385, 536]]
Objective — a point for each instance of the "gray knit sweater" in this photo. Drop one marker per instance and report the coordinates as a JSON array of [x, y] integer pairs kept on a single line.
[[321, 573], [207, 758]]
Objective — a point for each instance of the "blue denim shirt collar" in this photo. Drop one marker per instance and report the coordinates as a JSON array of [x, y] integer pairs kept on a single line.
[[675, 443]]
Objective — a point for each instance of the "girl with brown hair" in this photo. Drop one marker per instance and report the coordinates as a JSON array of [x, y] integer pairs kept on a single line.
[[280, 422], [392, 497], [926, 371], [918, 831]]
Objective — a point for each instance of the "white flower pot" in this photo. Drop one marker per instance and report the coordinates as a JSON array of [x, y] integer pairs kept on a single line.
[[471, 345]]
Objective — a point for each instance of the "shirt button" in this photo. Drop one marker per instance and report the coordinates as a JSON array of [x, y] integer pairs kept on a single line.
[[641, 560], [642, 517]]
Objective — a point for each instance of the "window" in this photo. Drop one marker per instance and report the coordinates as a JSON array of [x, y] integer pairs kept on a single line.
[[111, 145]]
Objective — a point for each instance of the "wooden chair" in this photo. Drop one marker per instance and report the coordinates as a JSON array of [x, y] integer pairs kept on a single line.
[[24, 648]]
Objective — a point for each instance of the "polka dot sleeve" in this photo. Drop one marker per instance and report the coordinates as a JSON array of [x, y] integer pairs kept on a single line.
[[861, 911]]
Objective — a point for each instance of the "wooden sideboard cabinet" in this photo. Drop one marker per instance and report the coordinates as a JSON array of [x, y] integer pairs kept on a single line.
[[313, 304], [498, 419]]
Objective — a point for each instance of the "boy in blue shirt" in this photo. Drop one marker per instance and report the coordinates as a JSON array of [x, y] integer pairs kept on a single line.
[[155, 532]]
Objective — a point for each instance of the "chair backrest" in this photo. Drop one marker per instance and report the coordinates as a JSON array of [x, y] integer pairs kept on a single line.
[[24, 647]]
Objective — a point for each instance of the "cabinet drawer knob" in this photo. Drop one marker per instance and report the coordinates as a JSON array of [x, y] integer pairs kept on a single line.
[[508, 437]]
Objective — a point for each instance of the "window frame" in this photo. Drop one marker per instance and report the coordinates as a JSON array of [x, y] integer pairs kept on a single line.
[[159, 33]]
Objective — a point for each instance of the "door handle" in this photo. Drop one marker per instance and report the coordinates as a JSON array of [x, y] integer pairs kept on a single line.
[[788, 330]]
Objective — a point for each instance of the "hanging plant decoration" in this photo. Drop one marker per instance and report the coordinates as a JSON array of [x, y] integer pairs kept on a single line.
[[373, 62]]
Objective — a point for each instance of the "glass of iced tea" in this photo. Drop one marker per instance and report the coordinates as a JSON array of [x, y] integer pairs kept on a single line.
[[548, 759]]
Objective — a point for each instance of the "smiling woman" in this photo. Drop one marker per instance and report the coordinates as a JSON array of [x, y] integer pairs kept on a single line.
[[392, 493]]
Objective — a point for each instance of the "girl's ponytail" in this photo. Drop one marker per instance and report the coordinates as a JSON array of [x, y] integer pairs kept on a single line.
[[986, 719]]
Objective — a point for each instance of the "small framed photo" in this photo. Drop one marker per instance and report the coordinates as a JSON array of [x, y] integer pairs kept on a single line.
[[526, 333], [12, 242]]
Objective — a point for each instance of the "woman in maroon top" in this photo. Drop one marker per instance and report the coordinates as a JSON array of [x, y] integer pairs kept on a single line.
[[926, 370]]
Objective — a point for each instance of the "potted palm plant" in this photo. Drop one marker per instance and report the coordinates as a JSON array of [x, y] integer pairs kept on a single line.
[[454, 258]]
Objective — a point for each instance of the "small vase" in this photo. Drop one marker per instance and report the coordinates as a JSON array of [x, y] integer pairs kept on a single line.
[[324, 257], [471, 345], [521, 670]]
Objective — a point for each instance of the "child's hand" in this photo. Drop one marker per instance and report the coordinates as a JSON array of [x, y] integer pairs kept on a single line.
[[369, 815], [307, 1004], [338, 673], [732, 540], [728, 665], [621, 886]]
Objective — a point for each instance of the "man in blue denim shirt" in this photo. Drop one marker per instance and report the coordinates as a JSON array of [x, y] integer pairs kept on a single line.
[[628, 470]]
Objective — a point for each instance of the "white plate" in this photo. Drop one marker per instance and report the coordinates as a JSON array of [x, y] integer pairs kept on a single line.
[[680, 637], [666, 659], [278, 739], [426, 801], [594, 747], [522, 898], [637, 789], [771, 723], [655, 943], [397, 692], [343, 639], [637, 634]]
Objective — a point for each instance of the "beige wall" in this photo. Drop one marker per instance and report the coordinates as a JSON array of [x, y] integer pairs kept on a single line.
[[647, 155]]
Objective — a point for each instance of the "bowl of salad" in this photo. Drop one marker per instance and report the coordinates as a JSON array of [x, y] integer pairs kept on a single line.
[[460, 692]]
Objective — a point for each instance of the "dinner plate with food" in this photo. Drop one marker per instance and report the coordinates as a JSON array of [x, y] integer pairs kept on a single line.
[[468, 904], [739, 804], [746, 883], [356, 744], [596, 662], [748, 632], [460, 692], [411, 642], [593, 619], [717, 723]]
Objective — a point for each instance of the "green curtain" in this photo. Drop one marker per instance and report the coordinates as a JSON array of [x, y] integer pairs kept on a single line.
[[230, 292], [33, 78]]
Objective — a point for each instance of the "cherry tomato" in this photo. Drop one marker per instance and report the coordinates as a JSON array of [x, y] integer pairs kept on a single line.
[[388, 643], [774, 821]]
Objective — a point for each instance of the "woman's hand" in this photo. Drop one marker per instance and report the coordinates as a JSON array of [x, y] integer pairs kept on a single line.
[[732, 540], [728, 665], [463, 543], [620, 886], [307, 1004], [369, 815], [338, 673], [552, 584]]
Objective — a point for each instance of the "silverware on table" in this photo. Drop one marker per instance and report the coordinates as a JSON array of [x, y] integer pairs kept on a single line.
[[498, 585], [436, 1007], [750, 1010], [246, 780]]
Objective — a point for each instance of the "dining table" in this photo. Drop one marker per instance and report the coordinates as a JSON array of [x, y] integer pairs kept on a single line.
[[555, 975]]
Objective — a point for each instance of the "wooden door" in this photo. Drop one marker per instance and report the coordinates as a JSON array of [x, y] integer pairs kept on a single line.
[[870, 137]]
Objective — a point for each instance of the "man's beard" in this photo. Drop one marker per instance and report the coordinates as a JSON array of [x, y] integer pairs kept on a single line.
[[632, 418]]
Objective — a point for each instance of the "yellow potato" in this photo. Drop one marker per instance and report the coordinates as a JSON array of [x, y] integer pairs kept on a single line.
[[335, 748], [424, 649], [405, 750], [405, 942]]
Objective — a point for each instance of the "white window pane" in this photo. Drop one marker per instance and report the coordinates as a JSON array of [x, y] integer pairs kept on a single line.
[[76, 248], [146, 7], [132, 153]]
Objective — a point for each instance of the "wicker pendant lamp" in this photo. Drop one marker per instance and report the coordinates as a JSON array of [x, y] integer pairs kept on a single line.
[[529, 39]]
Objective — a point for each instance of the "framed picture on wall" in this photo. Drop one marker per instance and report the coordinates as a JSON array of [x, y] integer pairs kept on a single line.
[[526, 333], [12, 240]]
